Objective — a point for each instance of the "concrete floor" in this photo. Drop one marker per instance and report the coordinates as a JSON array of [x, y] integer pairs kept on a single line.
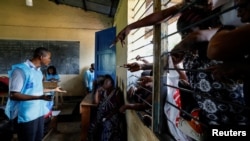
[[68, 125], [67, 131]]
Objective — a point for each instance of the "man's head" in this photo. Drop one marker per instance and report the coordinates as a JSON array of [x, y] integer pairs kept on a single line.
[[244, 10], [92, 66], [42, 55]]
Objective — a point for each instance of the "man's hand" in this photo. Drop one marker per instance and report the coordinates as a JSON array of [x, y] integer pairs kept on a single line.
[[59, 89], [46, 97], [132, 67]]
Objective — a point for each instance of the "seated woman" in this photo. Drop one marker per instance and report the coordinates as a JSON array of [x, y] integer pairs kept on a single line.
[[109, 123], [52, 74]]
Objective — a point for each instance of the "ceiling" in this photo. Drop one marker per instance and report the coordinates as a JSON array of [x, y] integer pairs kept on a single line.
[[106, 7]]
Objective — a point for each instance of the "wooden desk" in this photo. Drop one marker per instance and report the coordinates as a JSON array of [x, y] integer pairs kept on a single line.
[[85, 108]]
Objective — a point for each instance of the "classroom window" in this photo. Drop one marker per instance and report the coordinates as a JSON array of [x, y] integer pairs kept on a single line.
[[140, 42]]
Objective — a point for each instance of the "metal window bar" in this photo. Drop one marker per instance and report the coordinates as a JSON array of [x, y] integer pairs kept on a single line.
[[142, 36], [144, 11], [150, 105], [192, 92], [186, 113], [138, 9], [149, 113], [201, 21], [141, 17], [143, 100], [192, 70], [166, 3], [193, 24], [189, 91], [143, 88], [182, 9], [138, 84], [141, 47], [170, 52], [185, 28], [181, 110], [142, 57], [135, 5]]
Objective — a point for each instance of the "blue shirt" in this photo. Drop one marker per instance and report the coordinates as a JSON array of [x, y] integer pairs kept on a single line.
[[31, 85], [50, 77], [88, 79]]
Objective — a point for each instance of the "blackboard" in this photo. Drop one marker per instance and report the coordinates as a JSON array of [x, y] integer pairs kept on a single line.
[[65, 54]]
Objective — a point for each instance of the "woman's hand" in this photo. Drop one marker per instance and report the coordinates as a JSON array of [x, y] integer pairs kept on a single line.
[[138, 58], [122, 35], [145, 81], [132, 67], [123, 108]]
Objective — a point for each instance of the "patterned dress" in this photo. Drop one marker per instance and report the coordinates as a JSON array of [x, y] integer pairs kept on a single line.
[[220, 103], [109, 120]]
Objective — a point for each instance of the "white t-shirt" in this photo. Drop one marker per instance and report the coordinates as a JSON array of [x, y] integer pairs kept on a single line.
[[17, 78]]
